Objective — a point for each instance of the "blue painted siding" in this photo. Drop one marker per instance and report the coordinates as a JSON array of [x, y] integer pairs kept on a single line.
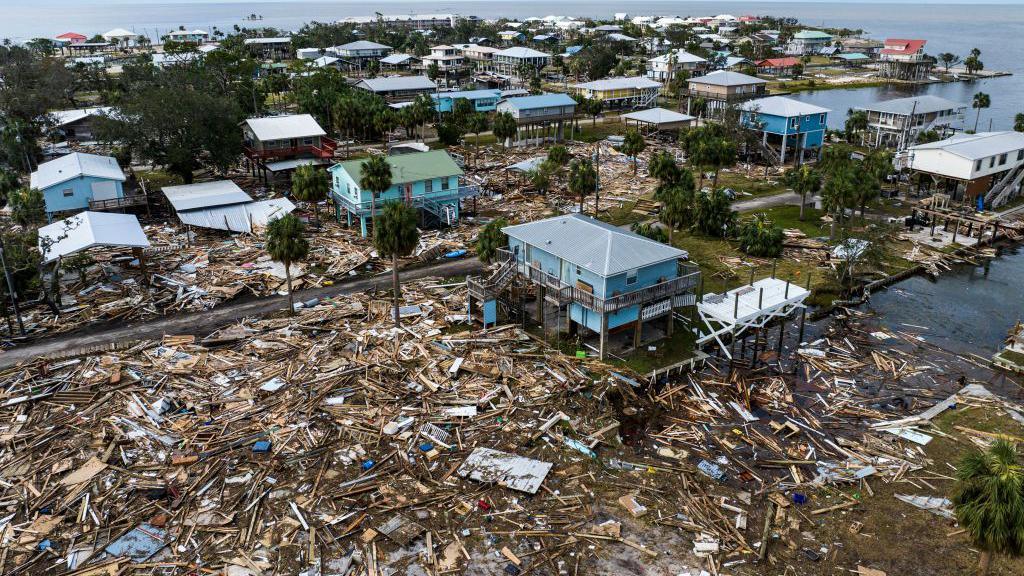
[[813, 125], [603, 287], [345, 187], [483, 100], [81, 193]]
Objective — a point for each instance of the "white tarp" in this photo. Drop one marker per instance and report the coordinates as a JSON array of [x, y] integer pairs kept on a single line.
[[515, 472], [87, 229]]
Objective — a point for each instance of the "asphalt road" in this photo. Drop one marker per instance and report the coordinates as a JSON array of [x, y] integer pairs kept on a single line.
[[202, 323]]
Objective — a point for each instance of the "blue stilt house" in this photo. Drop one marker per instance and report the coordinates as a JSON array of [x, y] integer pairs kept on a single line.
[[789, 128]]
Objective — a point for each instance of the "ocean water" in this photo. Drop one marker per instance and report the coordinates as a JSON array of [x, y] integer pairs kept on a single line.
[[995, 28]]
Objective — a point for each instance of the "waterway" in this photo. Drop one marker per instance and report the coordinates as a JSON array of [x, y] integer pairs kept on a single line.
[[968, 309]]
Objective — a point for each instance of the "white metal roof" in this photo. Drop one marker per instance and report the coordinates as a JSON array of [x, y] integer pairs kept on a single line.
[[658, 116], [118, 33], [601, 248], [362, 45], [977, 146], [238, 217], [392, 83], [87, 229], [726, 78], [74, 165], [681, 57], [521, 52], [635, 82], [274, 40], [396, 59], [285, 127], [782, 106], [205, 195], [65, 117], [923, 104]]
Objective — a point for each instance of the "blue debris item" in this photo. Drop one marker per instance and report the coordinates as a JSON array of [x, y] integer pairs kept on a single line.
[[426, 447], [45, 544], [455, 254], [138, 544], [580, 447], [711, 470], [799, 498], [368, 464], [261, 446]]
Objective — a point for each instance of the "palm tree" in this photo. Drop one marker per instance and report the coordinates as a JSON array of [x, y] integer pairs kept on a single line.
[[856, 123], [311, 185], [761, 237], [375, 176], [504, 127], [663, 167], [285, 244], [490, 239], [540, 177], [583, 181], [803, 180], [632, 145], [477, 123], [395, 235], [989, 501], [677, 207], [981, 100]]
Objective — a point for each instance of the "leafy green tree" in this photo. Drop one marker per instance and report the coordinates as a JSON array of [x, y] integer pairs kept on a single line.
[[678, 206], [973, 62], [376, 175], [664, 168], [981, 100], [761, 237], [948, 60], [714, 213], [28, 207], [651, 231], [540, 177], [856, 123], [803, 180], [286, 244], [395, 235], [505, 128], [989, 501], [8, 184], [1018, 122], [583, 181], [491, 238], [558, 155], [310, 184], [433, 71], [632, 145], [593, 107]]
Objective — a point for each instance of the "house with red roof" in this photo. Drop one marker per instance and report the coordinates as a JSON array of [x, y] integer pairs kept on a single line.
[[778, 66], [72, 38], [904, 59]]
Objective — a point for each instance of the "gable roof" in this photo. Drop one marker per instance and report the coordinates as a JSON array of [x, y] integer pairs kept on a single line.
[[681, 57], [977, 146], [408, 167], [782, 106], [521, 52], [74, 165], [72, 36], [362, 45], [601, 248], [392, 83], [65, 117], [779, 62], [923, 104], [540, 101], [903, 46], [204, 195], [284, 127], [726, 78]]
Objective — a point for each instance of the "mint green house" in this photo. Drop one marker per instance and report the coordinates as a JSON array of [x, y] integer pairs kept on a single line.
[[428, 181]]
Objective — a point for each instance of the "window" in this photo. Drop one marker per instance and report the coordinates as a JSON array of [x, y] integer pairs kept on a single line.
[[793, 122], [445, 184], [307, 141], [1020, 155], [69, 192], [631, 277], [991, 161], [428, 186], [579, 271], [821, 119], [1002, 159], [977, 166]]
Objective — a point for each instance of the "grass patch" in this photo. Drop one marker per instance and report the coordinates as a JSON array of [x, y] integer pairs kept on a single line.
[[679, 347], [623, 215], [789, 217], [755, 185]]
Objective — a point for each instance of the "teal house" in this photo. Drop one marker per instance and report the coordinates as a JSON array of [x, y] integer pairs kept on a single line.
[[601, 278], [428, 181], [789, 128], [482, 100], [79, 182]]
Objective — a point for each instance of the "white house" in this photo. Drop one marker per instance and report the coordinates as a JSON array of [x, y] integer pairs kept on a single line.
[[968, 165], [663, 68]]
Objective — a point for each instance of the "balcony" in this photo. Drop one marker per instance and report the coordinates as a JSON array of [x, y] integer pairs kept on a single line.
[[428, 201], [735, 97], [325, 150], [118, 203]]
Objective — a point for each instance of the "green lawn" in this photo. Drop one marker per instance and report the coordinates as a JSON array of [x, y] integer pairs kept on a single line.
[[755, 184], [789, 217]]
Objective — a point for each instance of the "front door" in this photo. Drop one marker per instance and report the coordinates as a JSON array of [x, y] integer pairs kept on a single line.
[[408, 193]]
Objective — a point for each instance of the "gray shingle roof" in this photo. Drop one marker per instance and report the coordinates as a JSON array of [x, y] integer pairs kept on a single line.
[[599, 247]]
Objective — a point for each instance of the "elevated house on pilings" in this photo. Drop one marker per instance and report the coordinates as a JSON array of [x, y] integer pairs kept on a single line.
[[790, 129], [280, 138], [539, 117], [618, 93], [588, 276], [430, 182], [721, 88], [902, 59], [984, 169], [897, 123]]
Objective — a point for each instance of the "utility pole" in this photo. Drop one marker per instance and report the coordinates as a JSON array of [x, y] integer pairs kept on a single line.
[[10, 287]]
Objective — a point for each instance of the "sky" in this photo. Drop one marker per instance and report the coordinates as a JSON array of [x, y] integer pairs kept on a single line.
[[426, 3]]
